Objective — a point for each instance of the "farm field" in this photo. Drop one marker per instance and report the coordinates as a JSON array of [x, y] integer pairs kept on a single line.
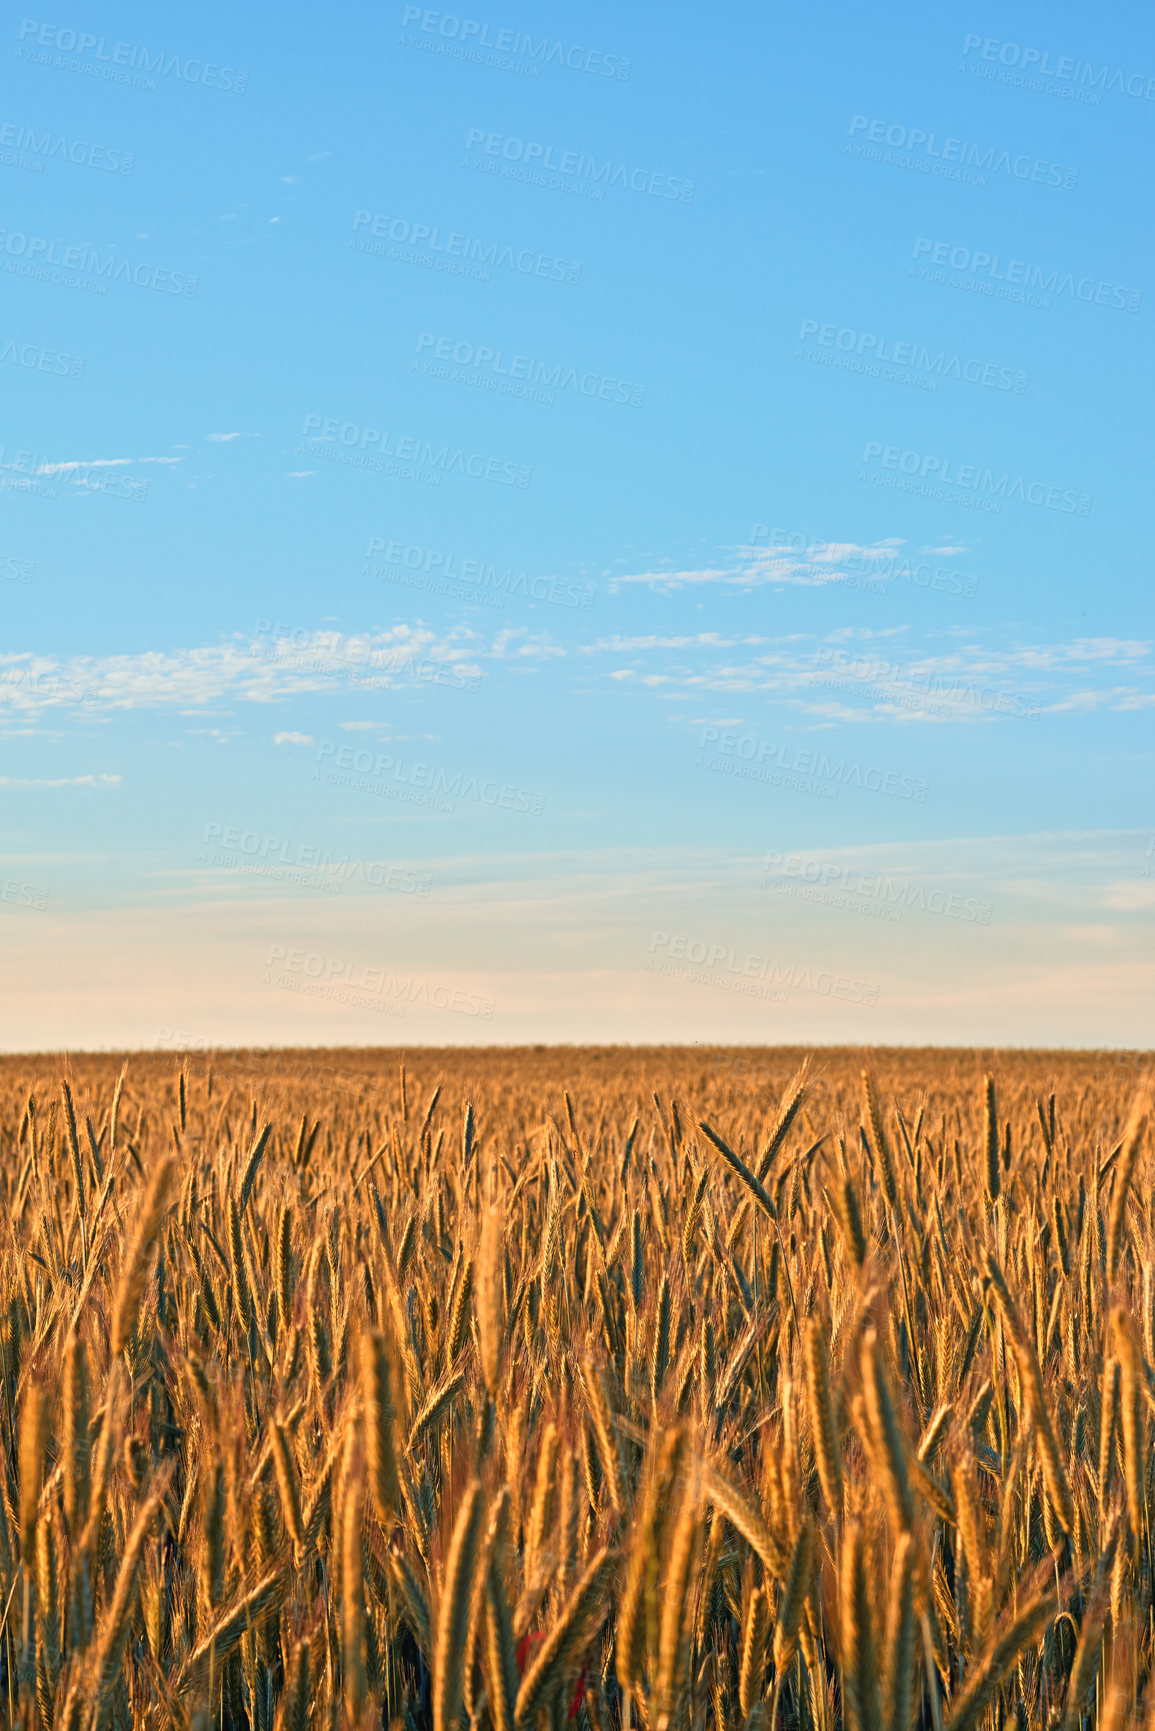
[[663, 1387]]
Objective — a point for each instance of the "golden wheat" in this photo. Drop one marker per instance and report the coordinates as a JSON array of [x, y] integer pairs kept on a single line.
[[517, 1389]]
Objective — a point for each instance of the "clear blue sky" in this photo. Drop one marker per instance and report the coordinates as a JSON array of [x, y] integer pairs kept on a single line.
[[547, 523]]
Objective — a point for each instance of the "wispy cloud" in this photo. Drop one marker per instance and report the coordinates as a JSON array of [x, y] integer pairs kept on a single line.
[[675, 579], [809, 564], [83, 463], [696, 640], [60, 781], [101, 463], [855, 675]]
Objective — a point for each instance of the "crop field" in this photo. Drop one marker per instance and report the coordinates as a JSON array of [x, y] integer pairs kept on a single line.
[[652, 1387]]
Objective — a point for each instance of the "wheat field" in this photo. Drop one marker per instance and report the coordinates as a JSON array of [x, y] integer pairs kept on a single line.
[[606, 1387]]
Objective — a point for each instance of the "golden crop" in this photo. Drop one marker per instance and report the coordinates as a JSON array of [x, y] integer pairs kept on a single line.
[[657, 1388]]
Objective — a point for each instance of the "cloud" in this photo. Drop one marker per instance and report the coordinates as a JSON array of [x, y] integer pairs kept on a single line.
[[700, 639], [1134, 897], [261, 669], [101, 463], [384, 733], [835, 679], [675, 579], [507, 646], [1082, 651], [90, 463], [811, 564], [292, 739], [61, 781], [222, 438], [562, 941], [850, 674]]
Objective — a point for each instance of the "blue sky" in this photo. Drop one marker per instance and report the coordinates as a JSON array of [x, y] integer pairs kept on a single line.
[[543, 523]]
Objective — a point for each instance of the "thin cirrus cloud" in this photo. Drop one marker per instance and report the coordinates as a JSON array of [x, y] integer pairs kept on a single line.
[[810, 564], [67, 468], [836, 681], [60, 781], [694, 640], [83, 463]]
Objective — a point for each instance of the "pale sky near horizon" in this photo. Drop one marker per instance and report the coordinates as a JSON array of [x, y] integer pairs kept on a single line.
[[552, 523]]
